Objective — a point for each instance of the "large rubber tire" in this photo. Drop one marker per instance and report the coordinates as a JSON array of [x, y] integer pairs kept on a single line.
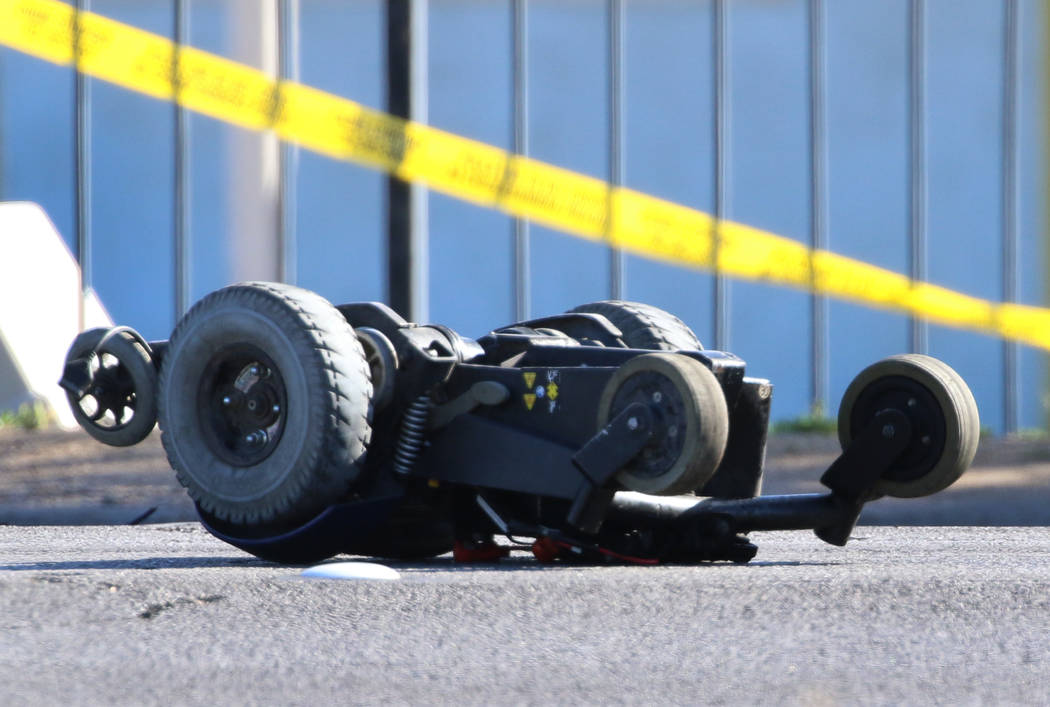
[[129, 389], [314, 372], [644, 326], [945, 423], [692, 424]]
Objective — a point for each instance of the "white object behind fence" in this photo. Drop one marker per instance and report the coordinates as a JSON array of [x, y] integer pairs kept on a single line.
[[40, 309]]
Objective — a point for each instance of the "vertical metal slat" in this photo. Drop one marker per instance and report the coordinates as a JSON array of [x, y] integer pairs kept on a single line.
[[818, 201], [721, 140], [615, 13], [287, 192], [408, 266], [1010, 205], [520, 129], [181, 201], [82, 163], [917, 162], [2, 190]]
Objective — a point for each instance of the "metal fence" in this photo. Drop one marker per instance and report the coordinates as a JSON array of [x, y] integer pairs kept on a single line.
[[407, 283]]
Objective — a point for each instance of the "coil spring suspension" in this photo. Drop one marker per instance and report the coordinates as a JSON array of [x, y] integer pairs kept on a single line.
[[413, 429]]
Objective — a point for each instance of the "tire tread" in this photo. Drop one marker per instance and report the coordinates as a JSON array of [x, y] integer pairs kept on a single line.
[[326, 344], [644, 326]]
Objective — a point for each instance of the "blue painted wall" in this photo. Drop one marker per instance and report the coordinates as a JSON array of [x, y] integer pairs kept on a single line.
[[669, 153]]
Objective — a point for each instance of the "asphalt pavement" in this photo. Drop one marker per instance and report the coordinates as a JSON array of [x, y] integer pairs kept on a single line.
[[165, 614]]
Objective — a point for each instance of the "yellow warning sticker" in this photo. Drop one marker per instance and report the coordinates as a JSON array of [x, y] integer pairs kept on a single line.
[[530, 400], [552, 390], [530, 378], [483, 174]]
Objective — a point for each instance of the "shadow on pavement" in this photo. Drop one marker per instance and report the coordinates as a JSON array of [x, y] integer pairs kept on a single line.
[[145, 563]]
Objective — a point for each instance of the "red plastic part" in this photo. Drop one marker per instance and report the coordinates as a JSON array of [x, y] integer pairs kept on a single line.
[[546, 550], [478, 552]]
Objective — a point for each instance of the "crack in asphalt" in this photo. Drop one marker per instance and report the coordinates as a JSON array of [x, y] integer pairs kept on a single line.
[[152, 611]]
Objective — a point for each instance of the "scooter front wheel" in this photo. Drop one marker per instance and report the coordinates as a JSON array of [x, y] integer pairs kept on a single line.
[[942, 412]]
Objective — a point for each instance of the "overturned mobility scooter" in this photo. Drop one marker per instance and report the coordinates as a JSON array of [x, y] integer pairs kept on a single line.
[[303, 430]]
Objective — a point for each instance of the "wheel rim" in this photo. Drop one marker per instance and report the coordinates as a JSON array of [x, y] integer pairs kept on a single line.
[[118, 406], [659, 394], [944, 411], [242, 405], [110, 403], [928, 430]]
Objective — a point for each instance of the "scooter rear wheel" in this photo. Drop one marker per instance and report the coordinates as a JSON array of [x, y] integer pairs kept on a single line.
[[644, 326], [265, 406]]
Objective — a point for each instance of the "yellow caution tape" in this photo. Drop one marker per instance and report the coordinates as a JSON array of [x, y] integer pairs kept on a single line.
[[482, 174]]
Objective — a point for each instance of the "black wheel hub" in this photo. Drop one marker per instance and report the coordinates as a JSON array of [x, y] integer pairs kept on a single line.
[[665, 402], [929, 431], [110, 402], [242, 405]]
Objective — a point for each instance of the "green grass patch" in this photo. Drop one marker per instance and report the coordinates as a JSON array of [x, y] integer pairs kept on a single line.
[[29, 416], [1032, 434], [814, 423]]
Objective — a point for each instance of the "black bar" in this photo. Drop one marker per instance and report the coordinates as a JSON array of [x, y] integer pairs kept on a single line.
[[400, 255], [181, 196], [803, 511], [615, 11], [287, 192], [818, 238], [1011, 292], [82, 161], [1, 141], [720, 293], [794, 512], [917, 162], [520, 79]]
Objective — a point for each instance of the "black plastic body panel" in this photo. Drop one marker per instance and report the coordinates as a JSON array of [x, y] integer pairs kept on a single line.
[[740, 473]]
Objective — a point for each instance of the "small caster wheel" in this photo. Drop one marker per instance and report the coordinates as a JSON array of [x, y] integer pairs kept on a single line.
[[692, 422], [943, 415], [119, 406]]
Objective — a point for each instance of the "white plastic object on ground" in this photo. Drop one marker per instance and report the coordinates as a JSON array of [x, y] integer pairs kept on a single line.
[[351, 570]]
